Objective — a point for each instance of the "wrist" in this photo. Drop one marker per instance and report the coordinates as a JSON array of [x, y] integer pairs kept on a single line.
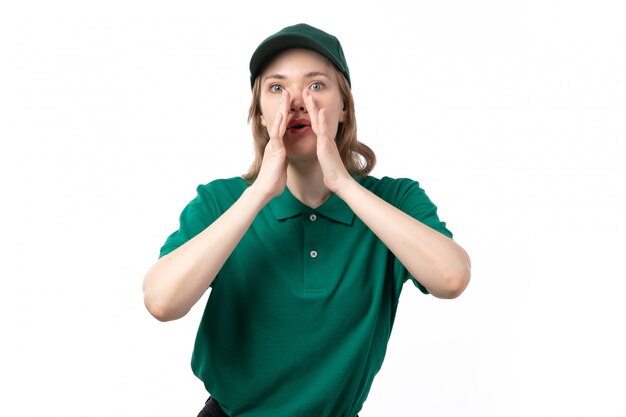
[[345, 187], [256, 196]]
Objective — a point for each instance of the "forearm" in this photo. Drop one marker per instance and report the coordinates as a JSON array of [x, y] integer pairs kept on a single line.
[[179, 279], [435, 260]]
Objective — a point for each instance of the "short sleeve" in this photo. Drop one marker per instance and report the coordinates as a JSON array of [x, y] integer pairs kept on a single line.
[[412, 199], [211, 201]]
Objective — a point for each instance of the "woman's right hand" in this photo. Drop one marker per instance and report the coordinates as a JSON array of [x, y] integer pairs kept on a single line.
[[272, 177]]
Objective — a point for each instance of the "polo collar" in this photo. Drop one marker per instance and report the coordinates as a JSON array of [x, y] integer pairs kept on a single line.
[[286, 206]]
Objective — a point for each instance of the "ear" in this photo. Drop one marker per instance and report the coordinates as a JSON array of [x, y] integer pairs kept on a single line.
[[263, 123]]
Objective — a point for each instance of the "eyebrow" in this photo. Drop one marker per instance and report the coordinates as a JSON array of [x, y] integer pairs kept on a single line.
[[311, 74]]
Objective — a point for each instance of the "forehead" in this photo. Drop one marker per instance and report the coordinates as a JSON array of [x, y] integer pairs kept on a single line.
[[298, 58]]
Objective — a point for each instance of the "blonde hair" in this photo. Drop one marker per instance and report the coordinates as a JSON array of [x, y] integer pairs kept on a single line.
[[358, 158]]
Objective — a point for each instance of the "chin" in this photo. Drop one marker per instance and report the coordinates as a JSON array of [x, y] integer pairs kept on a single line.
[[301, 148], [302, 154]]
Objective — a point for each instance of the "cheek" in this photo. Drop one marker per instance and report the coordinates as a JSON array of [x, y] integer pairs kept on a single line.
[[338, 116], [267, 120], [339, 112], [267, 115], [342, 116]]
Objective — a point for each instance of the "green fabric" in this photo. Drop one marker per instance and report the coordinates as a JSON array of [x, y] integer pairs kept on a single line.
[[286, 333]]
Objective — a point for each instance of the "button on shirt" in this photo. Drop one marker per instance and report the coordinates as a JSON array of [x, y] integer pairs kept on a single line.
[[298, 318]]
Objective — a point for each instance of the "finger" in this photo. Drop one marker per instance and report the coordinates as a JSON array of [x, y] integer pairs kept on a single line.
[[284, 110], [321, 122], [279, 126], [285, 103], [276, 127], [312, 109]]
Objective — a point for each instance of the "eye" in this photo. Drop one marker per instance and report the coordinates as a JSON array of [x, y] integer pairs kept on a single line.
[[276, 88], [317, 86]]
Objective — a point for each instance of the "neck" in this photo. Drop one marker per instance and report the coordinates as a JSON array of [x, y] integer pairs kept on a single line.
[[306, 183]]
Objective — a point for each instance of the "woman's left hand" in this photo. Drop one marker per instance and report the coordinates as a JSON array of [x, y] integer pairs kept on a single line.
[[335, 173]]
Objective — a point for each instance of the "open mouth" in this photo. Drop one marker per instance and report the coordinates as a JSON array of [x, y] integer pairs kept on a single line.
[[299, 124]]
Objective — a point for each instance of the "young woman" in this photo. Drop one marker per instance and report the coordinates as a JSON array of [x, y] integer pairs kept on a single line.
[[306, 254]]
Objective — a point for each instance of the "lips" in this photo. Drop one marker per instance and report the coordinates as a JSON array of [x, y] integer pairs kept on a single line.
[[298, 124]]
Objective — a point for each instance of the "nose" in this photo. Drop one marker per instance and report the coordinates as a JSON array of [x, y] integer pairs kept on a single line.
[[297, 103]]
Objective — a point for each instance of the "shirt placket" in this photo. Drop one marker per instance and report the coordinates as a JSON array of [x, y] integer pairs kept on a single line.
[[313, 252]]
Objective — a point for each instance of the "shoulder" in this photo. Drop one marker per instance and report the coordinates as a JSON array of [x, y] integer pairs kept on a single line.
[[224, 185], [407, 195], [391, 189], [217, 195]]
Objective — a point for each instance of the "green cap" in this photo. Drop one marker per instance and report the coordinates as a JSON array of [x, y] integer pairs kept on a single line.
[[299, 36]]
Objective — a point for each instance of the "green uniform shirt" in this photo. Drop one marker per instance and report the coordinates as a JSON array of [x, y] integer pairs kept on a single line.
[[298, 318]]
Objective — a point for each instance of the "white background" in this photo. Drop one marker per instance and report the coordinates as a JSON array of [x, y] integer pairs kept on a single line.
[[510, 114]]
